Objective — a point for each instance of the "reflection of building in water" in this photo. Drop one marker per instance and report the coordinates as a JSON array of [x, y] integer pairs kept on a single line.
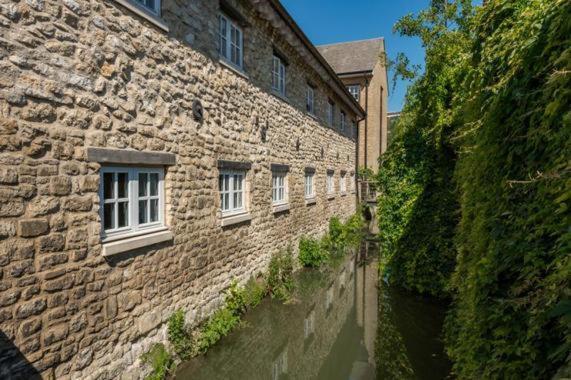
[[279, 367], [316, 338], [366, 305], [309, 324]]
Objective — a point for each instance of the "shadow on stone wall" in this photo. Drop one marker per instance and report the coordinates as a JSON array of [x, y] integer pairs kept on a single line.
[[13, 364]]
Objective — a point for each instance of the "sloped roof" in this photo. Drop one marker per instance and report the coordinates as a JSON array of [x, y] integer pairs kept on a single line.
[[353, 56]]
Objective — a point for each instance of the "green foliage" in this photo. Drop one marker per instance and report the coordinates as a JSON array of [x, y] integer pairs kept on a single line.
[[312, 253], [280, 275], [236, 298], [254, 292], [160, 361], [218, 326], [336, 236], [354, 230], [475, 186], [179, 336], [364, 173]]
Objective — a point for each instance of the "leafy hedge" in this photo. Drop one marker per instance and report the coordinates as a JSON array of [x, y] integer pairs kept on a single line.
[[477, 183]]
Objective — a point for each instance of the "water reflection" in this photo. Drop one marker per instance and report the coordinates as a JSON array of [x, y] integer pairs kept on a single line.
[[337, 329]]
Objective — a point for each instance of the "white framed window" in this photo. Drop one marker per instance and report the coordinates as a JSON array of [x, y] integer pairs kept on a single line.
[[355, 90], [309, 186], [343, 183], [330, 112], [278, 75], [343, 120], [310, 100], [230, 41], [132, 200], [352, 185], [231, 187], [330, 183], [279, 188]]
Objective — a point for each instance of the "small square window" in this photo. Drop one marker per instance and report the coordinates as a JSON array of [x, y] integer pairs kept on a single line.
[[132, 200], [230, 41], [279, 188], [231, 188], [355, 90]]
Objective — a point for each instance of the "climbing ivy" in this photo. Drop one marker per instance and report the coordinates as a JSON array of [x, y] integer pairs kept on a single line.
[[476, 186]]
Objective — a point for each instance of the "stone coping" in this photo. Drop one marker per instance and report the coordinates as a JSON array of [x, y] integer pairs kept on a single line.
[[235, 219], [129, 157], [125, 245]]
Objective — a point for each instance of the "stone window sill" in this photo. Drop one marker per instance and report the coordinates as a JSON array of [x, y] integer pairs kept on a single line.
[[125, 245], [230, 220], [310, 201], [281, 208], [153, 19], [313, 116], [281, 96], [344, 194], [233, 68], [330, 196]]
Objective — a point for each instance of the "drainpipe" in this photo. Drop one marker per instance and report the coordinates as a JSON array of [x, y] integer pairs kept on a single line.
[[366, 119]]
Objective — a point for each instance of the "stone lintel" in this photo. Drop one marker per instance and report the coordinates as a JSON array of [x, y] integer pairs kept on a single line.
[[129, 157], [279, 167], [310, 170], [234, 165]]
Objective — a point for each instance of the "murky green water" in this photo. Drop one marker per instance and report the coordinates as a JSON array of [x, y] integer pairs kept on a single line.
[[330, 333]]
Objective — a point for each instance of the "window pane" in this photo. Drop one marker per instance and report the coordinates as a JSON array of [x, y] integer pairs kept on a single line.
[[108, 216], [123, 185], [154, 210], [226, 202], [238, 203], [221, 182], [226, 183], [143, 212], [236, 200], [108, 187], [123, 215], [143, 180], [154, 182]]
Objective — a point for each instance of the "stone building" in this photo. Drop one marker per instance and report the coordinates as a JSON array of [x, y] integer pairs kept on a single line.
[[152, 151], [361, 66]]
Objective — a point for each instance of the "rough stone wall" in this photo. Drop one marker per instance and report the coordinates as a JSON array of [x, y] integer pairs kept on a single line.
[[89, 73]]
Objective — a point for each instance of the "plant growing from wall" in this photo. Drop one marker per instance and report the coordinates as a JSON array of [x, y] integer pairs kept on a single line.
[[179, 336], [311, 253], [280, 275], [160, 361]]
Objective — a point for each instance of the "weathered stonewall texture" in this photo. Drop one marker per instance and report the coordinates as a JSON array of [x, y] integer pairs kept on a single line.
[[89, 73]]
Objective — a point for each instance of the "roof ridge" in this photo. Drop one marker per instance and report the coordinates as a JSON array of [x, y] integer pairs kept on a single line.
[[350, 42]]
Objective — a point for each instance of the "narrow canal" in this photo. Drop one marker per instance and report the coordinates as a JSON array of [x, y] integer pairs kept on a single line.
[[334, 329]]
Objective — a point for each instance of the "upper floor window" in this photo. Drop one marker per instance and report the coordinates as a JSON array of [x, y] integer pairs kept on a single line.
[[343, 120], [278, 75], [230, 41], [153, 6], [310, 100], [342, 183], [330, 183], [231, 186], [309, 188], [279, 191], [330, 112], [132, 200], [355, 90]]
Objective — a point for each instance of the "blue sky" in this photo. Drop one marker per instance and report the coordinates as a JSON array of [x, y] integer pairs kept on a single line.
[[330, 21]]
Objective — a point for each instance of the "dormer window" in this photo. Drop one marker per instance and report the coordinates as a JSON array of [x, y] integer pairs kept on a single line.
[[230, 41]]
